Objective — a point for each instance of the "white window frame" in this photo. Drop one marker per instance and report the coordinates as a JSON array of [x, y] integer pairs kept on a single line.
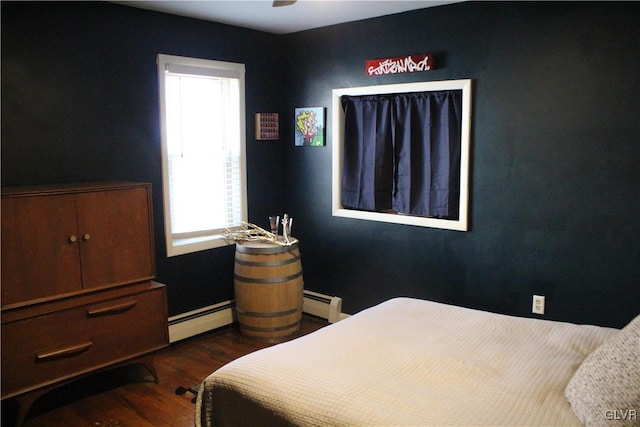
[[461, 224], [178, 245]]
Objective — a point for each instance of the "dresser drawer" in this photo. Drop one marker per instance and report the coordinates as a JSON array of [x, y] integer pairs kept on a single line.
[[41, 350]]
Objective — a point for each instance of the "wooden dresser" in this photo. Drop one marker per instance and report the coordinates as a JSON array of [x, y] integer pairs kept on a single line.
[[77, 289]]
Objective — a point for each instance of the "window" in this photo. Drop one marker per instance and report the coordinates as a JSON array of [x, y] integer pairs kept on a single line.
[[202, 119], [401, 153]]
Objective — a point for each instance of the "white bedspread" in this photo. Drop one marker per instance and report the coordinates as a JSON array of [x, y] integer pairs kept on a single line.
[[407, 362]]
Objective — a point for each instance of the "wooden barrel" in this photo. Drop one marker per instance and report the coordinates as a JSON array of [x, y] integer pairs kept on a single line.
[[268, 289]]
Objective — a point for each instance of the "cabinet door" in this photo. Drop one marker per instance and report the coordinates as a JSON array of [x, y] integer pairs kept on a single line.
[[40, 247], [115, 236]]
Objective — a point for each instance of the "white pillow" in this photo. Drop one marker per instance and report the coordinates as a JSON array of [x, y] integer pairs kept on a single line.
[[605, 390]]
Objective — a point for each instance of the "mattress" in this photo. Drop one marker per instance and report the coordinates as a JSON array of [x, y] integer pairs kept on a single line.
[[407, 362]]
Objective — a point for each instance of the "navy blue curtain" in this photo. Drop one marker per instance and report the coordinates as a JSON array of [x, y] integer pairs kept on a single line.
[[402, 153]]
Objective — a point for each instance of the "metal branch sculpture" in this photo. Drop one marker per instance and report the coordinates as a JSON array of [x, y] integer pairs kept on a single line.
[[252, 233]]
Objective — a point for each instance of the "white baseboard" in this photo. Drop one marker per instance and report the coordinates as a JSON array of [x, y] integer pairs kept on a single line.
[[323, 306], [206, 319], [215, 316]]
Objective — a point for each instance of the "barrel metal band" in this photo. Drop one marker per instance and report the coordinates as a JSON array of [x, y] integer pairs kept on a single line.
[[268, 263], [275, 249], [276, 314], [268, 280], [274, 329]]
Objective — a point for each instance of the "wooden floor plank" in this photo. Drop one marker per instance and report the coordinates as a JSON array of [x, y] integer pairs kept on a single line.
[[128, 396]]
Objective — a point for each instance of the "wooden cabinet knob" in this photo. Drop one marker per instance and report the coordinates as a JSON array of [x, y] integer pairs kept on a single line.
[[86, 236], [72, 239]]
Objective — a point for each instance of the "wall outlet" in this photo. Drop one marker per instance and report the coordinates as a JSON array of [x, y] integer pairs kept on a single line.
[[538, 304]]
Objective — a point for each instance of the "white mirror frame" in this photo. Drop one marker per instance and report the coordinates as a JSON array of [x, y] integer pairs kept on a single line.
[[461, 224]]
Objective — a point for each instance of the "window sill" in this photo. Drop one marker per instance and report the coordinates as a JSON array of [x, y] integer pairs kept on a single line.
[[196, 244], [420, 221]]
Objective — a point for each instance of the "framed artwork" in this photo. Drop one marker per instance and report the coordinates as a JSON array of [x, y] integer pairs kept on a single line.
[[267, 126], [310, 127]]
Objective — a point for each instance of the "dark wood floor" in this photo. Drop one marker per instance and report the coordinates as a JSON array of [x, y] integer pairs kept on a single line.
[[128, 397]]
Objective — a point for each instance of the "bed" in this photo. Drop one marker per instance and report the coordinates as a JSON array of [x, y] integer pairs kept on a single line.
[[408, 362]]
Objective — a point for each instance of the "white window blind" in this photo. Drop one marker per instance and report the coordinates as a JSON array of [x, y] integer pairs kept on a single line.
[[202, 108]]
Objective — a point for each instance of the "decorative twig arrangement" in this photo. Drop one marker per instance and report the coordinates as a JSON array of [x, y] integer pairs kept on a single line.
[[252, 233]]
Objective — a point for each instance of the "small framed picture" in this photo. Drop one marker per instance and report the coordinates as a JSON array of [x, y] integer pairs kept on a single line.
[[267, 126], [310, 127]]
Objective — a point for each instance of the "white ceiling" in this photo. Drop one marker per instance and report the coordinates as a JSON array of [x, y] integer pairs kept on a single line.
[[302, 15]]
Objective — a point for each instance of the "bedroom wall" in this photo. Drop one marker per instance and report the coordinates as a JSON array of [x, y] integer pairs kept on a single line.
[[555, 161], [555, 154], [80, 103]]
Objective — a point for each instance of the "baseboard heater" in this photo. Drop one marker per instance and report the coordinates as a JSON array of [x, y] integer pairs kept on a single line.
[[323, 306], [215, 316]]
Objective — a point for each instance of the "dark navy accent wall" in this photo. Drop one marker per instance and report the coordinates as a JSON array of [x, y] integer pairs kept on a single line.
[[555, 144], [555, 182], [80, 103]]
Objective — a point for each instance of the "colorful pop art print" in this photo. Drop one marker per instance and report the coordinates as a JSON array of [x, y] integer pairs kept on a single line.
[[309, 127]]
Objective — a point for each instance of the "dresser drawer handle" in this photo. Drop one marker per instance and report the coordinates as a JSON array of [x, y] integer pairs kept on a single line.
[[63, 352], [112, 309]]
